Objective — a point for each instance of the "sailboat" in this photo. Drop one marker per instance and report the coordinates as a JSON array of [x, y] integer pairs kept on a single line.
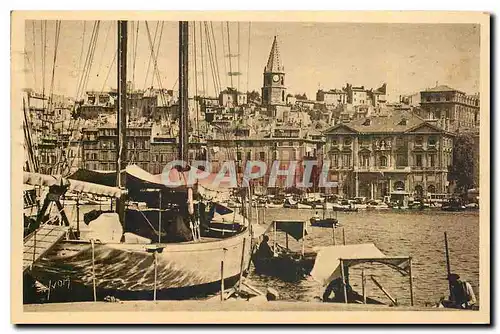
[[124, 264]]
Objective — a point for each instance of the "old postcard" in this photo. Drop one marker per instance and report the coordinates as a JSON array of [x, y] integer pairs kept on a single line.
[[231, 167]]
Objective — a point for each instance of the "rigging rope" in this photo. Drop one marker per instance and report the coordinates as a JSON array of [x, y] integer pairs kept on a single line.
[[34, 53], [104, 49], [81, 55], [135, 51], [195, 75], [56, 46], [224, 53], [248, 57], [202, 63], [229, 54], [152, 53], [44, 49], [239, 56], [217, 72], [156, 71]]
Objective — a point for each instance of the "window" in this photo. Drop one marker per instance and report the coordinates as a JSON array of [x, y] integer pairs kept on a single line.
[[262, 156], [432, 141], [335, 160], [346, 160], [432, 160], [365, 160], [419, 140], [383, 161], [249, 155], [401, 160], [400, 142], [418, 160], [335, 142], [238, 156], [347, 141]]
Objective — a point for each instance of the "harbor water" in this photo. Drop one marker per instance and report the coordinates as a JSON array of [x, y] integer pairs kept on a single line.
[[419, 234]]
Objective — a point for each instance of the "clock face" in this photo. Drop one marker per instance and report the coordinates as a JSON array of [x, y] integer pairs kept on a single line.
[[276, 78]]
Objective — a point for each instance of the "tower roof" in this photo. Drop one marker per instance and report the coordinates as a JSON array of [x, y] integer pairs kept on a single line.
[[274, 60]]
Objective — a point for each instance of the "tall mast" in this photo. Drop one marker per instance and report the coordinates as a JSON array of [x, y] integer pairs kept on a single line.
[[183, 90], [121, 122]]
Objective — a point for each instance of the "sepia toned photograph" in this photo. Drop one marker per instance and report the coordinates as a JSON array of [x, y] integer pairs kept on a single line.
[[178, 164]]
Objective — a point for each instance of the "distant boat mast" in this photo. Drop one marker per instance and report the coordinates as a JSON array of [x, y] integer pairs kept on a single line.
[[121, 121], [183, 90]]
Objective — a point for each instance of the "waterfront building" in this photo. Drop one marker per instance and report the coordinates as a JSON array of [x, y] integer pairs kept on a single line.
[[274, 143], [454, 109], [375, 156]]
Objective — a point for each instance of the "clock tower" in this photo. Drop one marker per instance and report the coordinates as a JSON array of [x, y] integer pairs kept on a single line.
[[274, 90]]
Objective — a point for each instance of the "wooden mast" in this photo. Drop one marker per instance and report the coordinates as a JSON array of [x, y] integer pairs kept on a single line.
[[183, 91], [121, 120]]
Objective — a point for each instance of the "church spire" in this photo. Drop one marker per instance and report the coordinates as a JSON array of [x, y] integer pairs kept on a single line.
[[274, 60]]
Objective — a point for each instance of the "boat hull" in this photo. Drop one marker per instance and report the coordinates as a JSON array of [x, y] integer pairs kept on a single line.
[[129, 269]]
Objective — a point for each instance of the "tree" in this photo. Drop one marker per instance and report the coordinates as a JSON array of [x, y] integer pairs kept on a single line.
[[462, 169], [253, 96], [302, 96]]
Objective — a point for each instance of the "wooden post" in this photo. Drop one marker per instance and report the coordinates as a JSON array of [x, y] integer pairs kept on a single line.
[[222, 275], [448, 268], [388, 295], [48, 292], [286, 240], [274, 238], [155, 257], [242, 263], [343, 235], [34, 248], [78, 216], [363, 284], [303, 239], [344, 286], [159, 218], [411, 282], [93, 269]]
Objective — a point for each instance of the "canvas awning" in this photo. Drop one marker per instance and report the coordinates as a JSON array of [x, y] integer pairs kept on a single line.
[[43, 180], [295, 228], [327, 265]]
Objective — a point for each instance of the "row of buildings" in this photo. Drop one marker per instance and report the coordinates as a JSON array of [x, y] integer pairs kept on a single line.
[[372, 147], [369, 157]]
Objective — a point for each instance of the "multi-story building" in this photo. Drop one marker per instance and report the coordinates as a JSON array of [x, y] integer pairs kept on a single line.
[[231, 97], [149, 150], [373, 157], [283, 144], [333, 97], [356, 95], [454, 109]]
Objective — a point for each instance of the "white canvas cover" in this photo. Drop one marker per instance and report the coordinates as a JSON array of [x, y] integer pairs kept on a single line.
[[327, 265], [106, 228]]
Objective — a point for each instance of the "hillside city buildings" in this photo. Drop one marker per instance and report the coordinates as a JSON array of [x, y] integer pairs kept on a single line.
[[373, 146]]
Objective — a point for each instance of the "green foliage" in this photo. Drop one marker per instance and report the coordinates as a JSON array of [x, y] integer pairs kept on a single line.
[[462, 169]]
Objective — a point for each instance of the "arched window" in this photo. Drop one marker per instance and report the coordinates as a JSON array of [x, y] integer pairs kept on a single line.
[[431, 189], [383, 161], [399, 185], [419, 190]]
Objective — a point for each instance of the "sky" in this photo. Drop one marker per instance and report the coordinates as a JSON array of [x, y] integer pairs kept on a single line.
[[408, 57]]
